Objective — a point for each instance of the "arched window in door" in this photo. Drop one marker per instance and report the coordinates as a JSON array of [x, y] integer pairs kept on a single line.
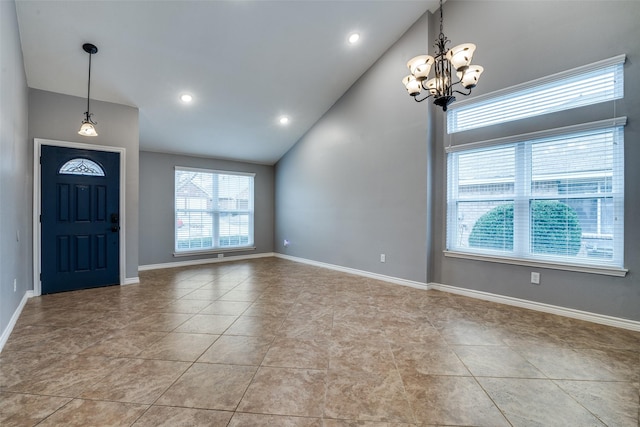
[[81, 166]]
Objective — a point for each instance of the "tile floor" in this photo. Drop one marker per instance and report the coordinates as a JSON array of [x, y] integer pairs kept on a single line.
[[270, 342]]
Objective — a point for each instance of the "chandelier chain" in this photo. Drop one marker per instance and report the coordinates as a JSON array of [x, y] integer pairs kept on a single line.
[[441, 27]]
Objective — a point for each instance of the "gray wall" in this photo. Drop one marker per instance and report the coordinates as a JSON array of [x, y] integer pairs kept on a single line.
[[338, 196], [526, 40], [355, 185], [56, 116], [157, 202], [15, 170]]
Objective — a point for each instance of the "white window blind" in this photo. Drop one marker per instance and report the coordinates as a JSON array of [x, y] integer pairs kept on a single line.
[[557, 198], [213, 210], [591, 84]]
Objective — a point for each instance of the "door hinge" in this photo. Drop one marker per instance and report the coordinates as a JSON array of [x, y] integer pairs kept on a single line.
[[40, 217]]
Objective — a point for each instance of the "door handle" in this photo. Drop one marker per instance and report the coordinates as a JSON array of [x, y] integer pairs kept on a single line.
[[115, 228]]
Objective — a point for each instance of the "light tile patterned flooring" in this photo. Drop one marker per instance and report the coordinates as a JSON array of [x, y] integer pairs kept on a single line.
[[271, 342]]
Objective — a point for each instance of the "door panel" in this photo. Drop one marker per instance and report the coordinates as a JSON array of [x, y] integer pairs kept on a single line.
[[80, 239], [83, 203]]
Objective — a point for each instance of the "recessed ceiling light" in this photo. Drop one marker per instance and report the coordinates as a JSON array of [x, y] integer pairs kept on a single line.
[[283, 120], [186, 98], [354, 37]]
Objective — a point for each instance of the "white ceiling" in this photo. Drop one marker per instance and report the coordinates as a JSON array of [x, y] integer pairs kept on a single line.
[[246, 63]]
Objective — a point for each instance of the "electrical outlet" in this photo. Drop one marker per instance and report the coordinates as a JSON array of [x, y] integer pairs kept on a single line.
[[15, 285], [383, 258], [286, 243], [535, 278], [220, 255]]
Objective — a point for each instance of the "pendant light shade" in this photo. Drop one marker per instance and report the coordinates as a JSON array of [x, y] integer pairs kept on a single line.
[[88, 124], [420, 66], [87, 129], [460, 56]]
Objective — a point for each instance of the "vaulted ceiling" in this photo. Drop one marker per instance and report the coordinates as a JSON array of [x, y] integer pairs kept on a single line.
[[246, 63]]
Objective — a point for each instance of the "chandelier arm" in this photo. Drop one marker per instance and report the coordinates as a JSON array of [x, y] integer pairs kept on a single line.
[[463, 93], [415, 98]]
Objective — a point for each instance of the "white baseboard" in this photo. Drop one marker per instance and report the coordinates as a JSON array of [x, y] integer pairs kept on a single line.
[[12, 322], [501, 299], [538, 306], [131, 281], [382, 277], [203, 261]]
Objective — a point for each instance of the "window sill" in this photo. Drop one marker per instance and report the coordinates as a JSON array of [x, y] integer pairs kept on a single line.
[[214, 251], [607, 271]]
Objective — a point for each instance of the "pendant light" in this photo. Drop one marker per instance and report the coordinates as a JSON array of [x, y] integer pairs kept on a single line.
[[441, 87], [88, 124]]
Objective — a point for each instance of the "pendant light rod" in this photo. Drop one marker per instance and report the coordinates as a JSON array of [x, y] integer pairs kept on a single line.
[[89, 81], [91, 49]]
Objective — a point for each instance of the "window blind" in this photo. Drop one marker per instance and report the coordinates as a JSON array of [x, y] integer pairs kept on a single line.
[[595, 83], [213, 209]]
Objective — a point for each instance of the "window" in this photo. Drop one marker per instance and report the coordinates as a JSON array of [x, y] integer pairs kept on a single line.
[[81, 166], [591, 84], [554, 196], [213, 210]]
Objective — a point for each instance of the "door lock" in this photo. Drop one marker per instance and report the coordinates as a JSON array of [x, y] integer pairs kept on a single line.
[[115, 219]]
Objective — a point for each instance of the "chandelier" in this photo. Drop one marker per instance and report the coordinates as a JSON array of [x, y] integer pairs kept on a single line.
[[88, 124], [441, 87]]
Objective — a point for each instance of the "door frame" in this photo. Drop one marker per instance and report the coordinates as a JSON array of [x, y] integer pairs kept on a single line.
[[37, 208]]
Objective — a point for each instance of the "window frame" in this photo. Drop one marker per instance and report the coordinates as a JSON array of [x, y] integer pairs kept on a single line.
[[520, 201], [216, 213]]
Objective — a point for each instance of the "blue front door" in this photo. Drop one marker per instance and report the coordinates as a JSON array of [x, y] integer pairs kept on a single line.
[[80, 219]]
